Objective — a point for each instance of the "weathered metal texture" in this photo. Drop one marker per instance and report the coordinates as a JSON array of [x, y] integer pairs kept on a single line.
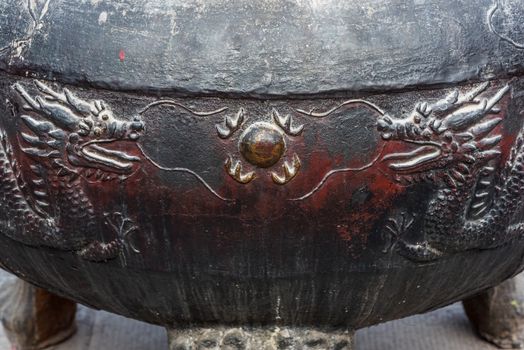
[[330, 210], [151, 195], [262, 47]]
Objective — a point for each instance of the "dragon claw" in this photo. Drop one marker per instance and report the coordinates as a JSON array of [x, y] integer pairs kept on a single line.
[[419, 252]]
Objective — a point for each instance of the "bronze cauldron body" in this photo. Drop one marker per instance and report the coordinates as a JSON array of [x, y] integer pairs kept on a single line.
[[262, 170]]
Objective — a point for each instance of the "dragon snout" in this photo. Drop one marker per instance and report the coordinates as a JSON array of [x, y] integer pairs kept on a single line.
[[385, 126], [384, 123], [127, 129], [137, 124], [135, 127]]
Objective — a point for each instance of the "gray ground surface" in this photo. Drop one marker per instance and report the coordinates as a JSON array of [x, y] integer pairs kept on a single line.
[[446, 329]]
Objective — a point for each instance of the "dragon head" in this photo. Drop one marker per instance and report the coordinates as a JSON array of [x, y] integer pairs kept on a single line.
[[451, 137], [77, 136]]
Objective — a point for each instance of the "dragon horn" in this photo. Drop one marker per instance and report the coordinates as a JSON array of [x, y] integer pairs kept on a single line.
[[38, 127], [81, 106], [497, 97], [32, 104], [466, 116], [470, 114], [48, 91], [58, 114], [489, 142], [32, 140], [482, 129], [471, 95]]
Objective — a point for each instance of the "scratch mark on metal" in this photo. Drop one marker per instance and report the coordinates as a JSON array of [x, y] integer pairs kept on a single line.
[[336, 171], [311, 113], [177, 104], [123, 227], [18, 47], [183, 170], [491, 14], [349, 102]]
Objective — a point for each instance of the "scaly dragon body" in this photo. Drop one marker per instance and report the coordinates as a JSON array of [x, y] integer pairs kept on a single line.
[[67, 140], [456, 142]]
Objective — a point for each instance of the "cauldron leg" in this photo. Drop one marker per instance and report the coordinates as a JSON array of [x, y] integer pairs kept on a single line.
[[259, 338], [33, 318], [498, 314]]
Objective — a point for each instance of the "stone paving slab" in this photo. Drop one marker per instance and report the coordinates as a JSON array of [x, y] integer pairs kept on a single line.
[[444, 329]]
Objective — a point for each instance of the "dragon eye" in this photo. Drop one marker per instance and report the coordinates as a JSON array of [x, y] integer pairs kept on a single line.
[[426, 134], [97, 131], [73, 138]]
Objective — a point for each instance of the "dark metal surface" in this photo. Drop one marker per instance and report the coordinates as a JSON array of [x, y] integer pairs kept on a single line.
[[150, 196], [262, 47], [335, 210]]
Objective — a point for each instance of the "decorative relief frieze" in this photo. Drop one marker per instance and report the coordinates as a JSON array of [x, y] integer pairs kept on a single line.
[[71, 143]]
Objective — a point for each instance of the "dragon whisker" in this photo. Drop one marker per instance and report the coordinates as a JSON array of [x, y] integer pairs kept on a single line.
[[396, 156], [416, 162], [111, 158], [349, 102], [179, 105], [341, 170], [183, 170]]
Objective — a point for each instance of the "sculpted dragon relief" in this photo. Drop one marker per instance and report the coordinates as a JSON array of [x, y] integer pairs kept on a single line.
[[456, 143], [69, 143]]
